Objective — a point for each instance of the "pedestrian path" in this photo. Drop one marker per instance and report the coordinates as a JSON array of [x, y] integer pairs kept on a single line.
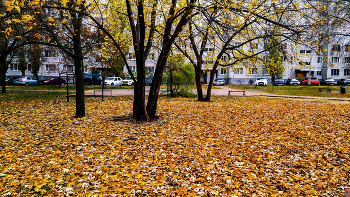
[[222, 90], [252, 93]]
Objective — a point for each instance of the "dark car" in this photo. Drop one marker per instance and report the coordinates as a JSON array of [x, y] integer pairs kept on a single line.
[[92, 80], [53, 81], [148, 80], [278, 82], [314, 81], [292, 82], [328, 82], [10, 80], [343, 82]]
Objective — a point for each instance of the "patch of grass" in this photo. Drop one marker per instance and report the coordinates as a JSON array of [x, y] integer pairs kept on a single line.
[[31, 95], [64, 87], [297, 90]]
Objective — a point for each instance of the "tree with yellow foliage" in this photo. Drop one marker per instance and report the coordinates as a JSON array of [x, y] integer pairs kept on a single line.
[[226, 35], [16, 28], [65, 29], [150, 22]]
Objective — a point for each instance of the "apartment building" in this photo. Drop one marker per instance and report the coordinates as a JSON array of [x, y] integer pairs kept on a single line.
[[332, 62], [53, 64]]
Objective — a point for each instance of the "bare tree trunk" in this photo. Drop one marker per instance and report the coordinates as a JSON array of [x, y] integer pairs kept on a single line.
[[37, 78], [198, 70], [80, 96], [139, 105], [78, 63], [157, 80], [3, 75], [171, 80], [210, 84]]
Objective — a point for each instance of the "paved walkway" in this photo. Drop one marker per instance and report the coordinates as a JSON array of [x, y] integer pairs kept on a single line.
[[222, 91]]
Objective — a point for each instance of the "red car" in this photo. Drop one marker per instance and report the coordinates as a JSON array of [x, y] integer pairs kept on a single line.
[[54, 81], [314, 81]]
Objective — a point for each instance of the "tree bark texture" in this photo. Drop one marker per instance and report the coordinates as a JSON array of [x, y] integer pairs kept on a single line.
[[139, 105], [3, 75], [198, 70], [157, 81], [80, 96], [78, 63], [171, 80]]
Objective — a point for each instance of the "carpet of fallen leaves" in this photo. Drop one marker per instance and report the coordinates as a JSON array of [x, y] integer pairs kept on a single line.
[[230, 146]]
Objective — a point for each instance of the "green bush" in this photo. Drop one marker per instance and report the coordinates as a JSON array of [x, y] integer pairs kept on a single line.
[[184, 92]]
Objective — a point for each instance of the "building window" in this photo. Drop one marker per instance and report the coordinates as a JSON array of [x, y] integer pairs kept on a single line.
[[319, 59], [223, 71], [335, 72], [149, 70], [254, 46], [347, 59], [29, 67], [347, 48], [13, 67], [50, 67], [335, 59], [319, 72], [253, 71], [265, 58], [224, 58], [68, 68], [48, 53], [265, 71], [238, 71], [336, 47], [320, 49], [151, 56], [208, 49], [304, 63], [305, 51], [132, 56], [346, 71], [284, 46]]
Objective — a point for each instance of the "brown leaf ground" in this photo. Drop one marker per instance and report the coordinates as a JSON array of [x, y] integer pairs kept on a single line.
[[229, 147]]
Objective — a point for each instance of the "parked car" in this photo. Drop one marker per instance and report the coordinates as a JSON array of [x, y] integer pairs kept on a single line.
[[219, 82], [261, 82], [314, 81], [128, 81], [148, 80], [53, 81], [328, 82], [278, 82], [43, 78], [92, 80], [10, 80], [292, 82], [25, 81], [113, 81], [343, 82]]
